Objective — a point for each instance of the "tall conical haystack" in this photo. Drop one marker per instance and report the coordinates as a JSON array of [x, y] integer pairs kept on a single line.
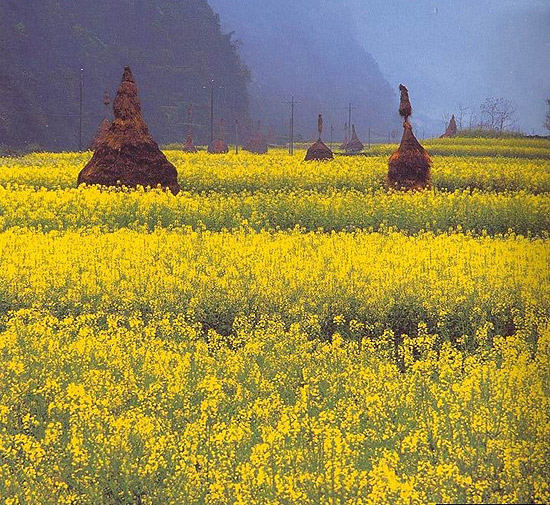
[[451, 129], [405, 107], [104, 126], [354, 146], [127, 155], [189, 146], [101, 131], [409, 166], [319, 151], [344, 144], [257, 143], [219, 146]]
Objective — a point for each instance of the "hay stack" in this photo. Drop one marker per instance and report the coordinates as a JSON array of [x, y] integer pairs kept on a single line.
[[189, 146], [354, 146], [405, 107], [319, 151], [257, 143], [127, 155], [104, 126], [451, 129], [344, 144], [409, 166], [102, 130], [219, 146]]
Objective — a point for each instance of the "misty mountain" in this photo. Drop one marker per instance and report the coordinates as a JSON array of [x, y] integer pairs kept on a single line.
[[459, 52], [309, 49], [175, 48]]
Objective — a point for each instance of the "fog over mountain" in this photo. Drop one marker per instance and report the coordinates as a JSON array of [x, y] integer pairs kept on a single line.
[[309, 49], [448, 52]]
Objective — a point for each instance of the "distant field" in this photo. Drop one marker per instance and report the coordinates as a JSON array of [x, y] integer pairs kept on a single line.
[[464, 146], [280, 332]]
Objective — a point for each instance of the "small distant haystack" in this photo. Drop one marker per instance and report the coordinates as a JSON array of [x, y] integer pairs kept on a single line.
[[344, 144], [451, 129], [102, 130], [104, 126], [354, 146], [409, 166], [189, 146], [319, 151], [219, 146], [127, 155], [257, 143]]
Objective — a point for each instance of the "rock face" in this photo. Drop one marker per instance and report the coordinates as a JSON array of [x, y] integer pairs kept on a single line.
[[409, 166], [126, 154], [354, 146], [319, 151], [257, 143], [451, 129]]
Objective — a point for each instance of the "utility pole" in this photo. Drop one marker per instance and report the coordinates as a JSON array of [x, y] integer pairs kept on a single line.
[[331, 135], [236, 136], [81, 109], [369, 137], [292, 104], [349, 118], [212, 112]]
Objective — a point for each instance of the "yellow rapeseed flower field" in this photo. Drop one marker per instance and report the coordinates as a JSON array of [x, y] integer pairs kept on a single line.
[[278, 333]]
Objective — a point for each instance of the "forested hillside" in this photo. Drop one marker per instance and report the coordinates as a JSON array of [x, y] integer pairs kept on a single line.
[[175, 48]]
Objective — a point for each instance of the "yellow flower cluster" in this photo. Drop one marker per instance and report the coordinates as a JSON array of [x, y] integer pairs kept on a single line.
[[455, 283], [278, 171], [468, 146], [109, 210], [279, 333], [110, 409]]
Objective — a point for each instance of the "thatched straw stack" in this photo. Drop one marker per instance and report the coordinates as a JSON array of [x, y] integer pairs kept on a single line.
[[319, 151], [219, 146], [104, 126], [189, 146], [102, 130], [257, 143], [354, 146], [451, 129], [409, 166], [127, 155], [344, 144], [405, 107]]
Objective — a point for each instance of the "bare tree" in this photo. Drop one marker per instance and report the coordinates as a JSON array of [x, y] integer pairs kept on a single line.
[[461, 115], [497, 114], [546, 123], [473, 119]]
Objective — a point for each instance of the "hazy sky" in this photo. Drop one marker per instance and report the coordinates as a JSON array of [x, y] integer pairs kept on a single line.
[[452, 52], [448, 52]]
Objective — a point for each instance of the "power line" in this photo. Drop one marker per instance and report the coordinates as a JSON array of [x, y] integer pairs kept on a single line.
[[292, 104], [81, 108]]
